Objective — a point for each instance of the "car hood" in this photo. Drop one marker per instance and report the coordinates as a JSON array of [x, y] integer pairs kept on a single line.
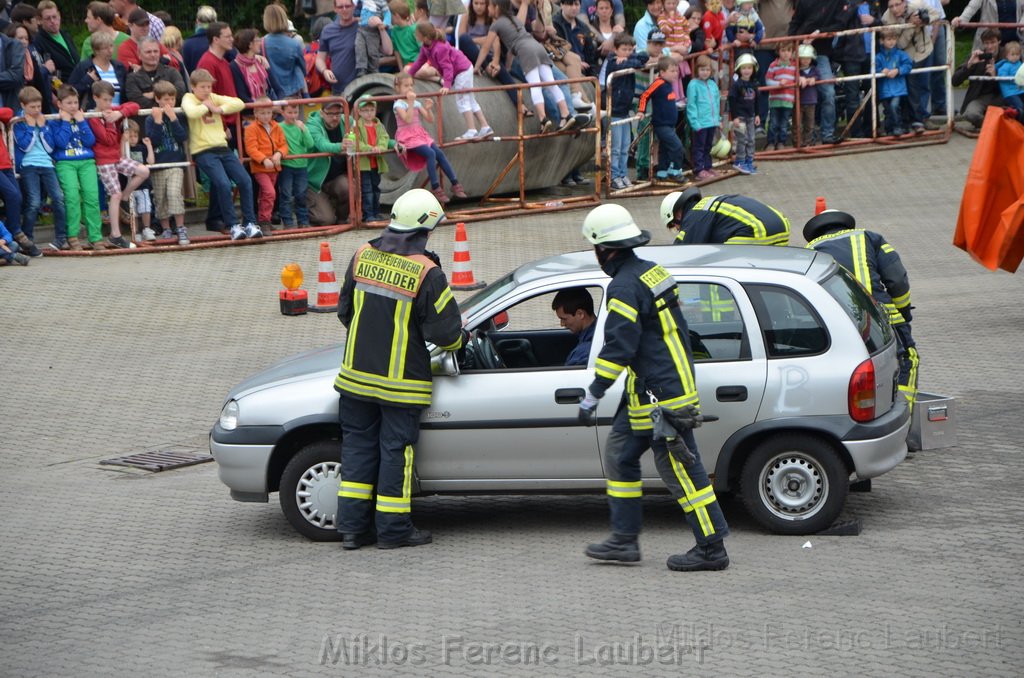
[[299, 367]]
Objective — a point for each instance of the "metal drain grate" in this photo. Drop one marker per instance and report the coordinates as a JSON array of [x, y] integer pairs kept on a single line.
[[161, 460]]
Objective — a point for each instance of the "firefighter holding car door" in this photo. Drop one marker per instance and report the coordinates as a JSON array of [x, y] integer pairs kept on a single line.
[[646, 336], [394, 299]]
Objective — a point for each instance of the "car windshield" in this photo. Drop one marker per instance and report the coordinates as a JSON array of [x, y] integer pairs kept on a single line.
[[484, 297], [867, 316]]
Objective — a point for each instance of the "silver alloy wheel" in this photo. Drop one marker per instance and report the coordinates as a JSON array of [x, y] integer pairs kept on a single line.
[[793, 486], [316, 494]]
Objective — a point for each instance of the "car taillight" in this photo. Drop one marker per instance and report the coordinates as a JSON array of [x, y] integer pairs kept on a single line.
[[862, 392]]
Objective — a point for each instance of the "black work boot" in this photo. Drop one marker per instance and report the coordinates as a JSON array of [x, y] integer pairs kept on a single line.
[[351, 541], [710, 557], [623, 548], [415, 538]]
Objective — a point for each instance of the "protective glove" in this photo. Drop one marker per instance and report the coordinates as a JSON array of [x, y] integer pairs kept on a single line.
[[588, 410]]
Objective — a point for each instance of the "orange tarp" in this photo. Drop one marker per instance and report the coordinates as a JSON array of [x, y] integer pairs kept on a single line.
[[991, 223]]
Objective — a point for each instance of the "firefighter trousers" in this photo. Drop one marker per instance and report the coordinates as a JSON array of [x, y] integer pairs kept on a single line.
[[376, 468], [688, 483], [909, 361]]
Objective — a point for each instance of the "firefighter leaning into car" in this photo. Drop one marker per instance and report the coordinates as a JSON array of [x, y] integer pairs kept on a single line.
[[716, 219], [646, 336], [877, 267], [394, 299]]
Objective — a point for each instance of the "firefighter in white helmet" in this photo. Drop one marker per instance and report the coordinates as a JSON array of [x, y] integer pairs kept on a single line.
[[394, 299], [734, 219], [646, 337]]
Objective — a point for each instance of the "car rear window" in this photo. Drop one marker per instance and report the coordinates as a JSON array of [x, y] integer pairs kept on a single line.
[[867, 316], [790, 325]]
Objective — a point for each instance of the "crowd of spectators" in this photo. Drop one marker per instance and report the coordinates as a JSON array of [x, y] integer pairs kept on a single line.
[[683, 53]]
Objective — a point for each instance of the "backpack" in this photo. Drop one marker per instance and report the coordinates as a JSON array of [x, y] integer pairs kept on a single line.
[[314, 80]]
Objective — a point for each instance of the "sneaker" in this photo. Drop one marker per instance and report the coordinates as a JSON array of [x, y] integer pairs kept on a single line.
[[580, 179], [547, 125], [237, 232], [931, 126], [740, 167], [568, 181], [183, 236], [75, 245], [148, 234], [167, 234], [118, 242], [441, 196], [458, 191], [60, 244], [567, 123], [661, 175], [751, 167], [898, 132], [469, 134], [917, 128], [485, 132], [253, 231], [626, 182], [28, 246], [705, 174], [618, 184], [99, 246], [21, 259]]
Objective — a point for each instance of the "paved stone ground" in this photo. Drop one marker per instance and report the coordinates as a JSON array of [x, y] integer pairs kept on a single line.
[[121, 572]]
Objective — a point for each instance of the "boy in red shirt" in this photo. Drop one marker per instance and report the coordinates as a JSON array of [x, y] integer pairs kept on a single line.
[[109, 160]]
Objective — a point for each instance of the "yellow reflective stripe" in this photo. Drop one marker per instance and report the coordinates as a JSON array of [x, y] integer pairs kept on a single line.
[[678, 352], [400, 339], [358, 296], [407, 474], [743, 216], [393, 504], [887, 248], [351, 373], [625, 489], [393, 396], [354, 490], [443, 299], [623, 309], [902, 301], [454, 346], [691, 494], [779, 239], [608, 369], [858, 245], [701, 498]]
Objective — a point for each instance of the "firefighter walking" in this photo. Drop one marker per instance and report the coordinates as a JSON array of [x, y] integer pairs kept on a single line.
[[394, 298], [646, 337], [877, 267], [717, 219]]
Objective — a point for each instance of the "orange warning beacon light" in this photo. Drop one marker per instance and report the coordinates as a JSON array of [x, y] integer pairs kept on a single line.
[[293, 300]]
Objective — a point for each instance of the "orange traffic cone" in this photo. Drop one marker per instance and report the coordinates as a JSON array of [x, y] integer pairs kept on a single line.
[[462, 270], [819, 205], [327, 284]]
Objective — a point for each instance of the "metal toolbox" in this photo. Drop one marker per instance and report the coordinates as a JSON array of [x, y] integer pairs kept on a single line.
[[933, 423]]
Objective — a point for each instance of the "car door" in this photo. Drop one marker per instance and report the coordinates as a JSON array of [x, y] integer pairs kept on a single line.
[[729, 363], [511, 428]]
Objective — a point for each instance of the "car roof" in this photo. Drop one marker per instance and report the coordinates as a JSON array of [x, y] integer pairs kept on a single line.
[[796, 260]]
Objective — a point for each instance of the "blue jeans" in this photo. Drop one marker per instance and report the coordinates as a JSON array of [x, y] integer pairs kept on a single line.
[[826, 98], [9, 256], [1016, 102], [36, 180], [919, 88], [779, 120], [222, 167], [852, 89], [938, 78], [620, 150], [670, 153], [291, 189], [369, 181], [434, 157], [701, 148], [893, 115], [11, 193]]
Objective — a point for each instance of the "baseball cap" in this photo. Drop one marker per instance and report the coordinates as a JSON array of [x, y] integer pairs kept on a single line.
[[655, 36], [365, 100], [138, 17]]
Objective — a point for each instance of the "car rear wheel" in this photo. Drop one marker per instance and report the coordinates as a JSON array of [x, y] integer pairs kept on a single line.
[[794, 484], [309, 490]]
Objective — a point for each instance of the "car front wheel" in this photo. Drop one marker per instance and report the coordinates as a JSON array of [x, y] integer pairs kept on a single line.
[[794, 484], [309, 490]]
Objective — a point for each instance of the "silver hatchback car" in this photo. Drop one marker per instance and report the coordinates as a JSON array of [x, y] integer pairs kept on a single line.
[[791, 354]]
